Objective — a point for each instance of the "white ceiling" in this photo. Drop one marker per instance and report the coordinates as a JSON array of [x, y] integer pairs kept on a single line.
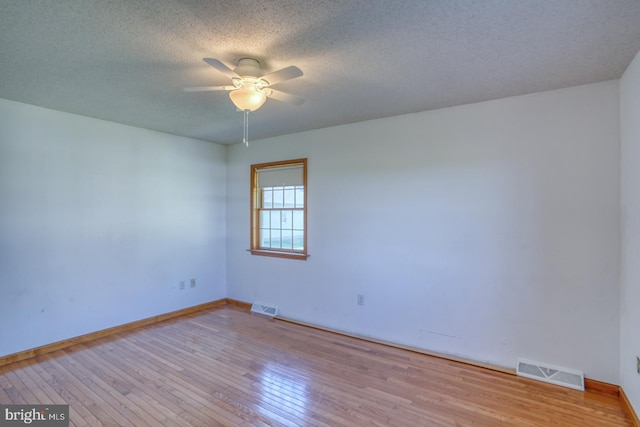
[[127, 61]]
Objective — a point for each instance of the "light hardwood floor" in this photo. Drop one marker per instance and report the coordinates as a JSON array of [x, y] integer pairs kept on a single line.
[[229, 367]]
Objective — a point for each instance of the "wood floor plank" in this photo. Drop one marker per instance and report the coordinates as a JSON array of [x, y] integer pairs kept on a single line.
[[171, 391], [237, 385], [227, 367], [78, 412], [84, 393], [144, 392], [22, 392]]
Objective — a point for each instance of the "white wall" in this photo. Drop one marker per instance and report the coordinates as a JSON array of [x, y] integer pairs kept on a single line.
[[488, 231], [630, 266], [99, 222]]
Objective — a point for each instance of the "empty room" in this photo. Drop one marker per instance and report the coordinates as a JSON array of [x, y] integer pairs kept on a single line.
[[320, 213]]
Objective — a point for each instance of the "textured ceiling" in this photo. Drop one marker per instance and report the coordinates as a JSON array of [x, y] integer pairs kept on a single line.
[[127, 61]]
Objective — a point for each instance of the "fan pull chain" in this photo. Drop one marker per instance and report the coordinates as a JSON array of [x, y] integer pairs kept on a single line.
[[245, 139]]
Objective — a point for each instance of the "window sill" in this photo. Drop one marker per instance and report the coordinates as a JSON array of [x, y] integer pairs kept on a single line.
[[276, 254]]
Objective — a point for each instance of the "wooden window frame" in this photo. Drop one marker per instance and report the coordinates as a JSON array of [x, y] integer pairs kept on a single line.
[[256, 249]]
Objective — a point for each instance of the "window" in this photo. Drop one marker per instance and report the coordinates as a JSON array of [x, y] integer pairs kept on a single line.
[[279, 209]]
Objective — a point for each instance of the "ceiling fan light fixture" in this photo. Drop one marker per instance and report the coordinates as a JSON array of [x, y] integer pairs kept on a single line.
[[247, 98], [251, 87]]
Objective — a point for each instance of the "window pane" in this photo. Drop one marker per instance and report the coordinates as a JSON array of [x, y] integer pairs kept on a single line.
[[275, 219], [289, 197], [265, 219], [286, 220], [298, 240], [267, 195], [275, 239], [265, 239], [278, 197], [298, 220], [299, 197], [287, 239]]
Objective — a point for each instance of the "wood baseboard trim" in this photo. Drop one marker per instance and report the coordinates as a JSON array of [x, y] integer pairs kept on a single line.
[[239, 304], [629, 408], [48, 348], [601, 387]]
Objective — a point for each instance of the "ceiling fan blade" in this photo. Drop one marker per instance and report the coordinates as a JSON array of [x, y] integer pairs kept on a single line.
[[208, 88], [284, 97], [276, 77], [218, 65]]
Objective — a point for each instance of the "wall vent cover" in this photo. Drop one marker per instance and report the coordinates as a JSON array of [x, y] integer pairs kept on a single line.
[[551, 374], [267, 310]]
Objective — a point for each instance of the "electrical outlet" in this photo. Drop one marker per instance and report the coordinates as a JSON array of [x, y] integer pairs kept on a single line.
[[360, 299], [182, 285], [193, 283]]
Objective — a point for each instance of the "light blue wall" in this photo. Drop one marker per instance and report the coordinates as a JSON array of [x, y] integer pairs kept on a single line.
[[488, 231], [99, 222], [630, 288]]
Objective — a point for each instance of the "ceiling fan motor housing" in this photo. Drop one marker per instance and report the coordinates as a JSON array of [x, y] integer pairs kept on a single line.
[[248, 67]]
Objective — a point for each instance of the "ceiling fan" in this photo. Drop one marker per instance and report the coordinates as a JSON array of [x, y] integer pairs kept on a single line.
[[250, 87]]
